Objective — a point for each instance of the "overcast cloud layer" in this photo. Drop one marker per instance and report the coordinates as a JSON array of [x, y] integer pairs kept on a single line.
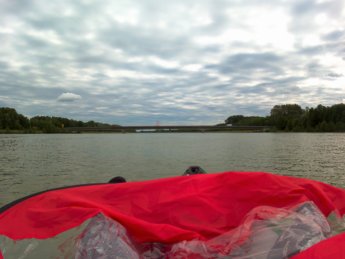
[[189, 62]]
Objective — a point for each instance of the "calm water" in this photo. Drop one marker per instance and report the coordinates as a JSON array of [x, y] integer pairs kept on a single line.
[[31, 163]]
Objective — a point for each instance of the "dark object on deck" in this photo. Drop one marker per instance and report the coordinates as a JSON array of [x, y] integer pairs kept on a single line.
[[118, 179], [194, 170]]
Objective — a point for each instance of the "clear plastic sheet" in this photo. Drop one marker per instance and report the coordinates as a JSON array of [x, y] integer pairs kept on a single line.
[[266, 233], [105, 238]]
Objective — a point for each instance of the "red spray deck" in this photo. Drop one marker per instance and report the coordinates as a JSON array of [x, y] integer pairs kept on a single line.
[[216, 213]]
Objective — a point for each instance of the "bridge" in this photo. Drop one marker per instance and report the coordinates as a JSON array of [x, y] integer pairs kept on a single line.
[[167, 128]]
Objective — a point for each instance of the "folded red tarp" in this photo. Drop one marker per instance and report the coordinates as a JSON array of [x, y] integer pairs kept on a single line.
[[174, 209]]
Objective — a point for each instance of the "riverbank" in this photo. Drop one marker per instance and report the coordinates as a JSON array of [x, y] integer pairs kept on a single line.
[[95, 131]]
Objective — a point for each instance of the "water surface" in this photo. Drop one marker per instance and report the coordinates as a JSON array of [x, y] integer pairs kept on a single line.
[[32, 163]]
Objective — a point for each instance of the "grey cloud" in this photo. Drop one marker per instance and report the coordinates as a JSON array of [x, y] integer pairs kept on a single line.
[[310, 7], [273, 87], [3, 65], [336, 48], [335, 75], [315, 69], [143, 43], [312, 50], [305, 7], [304, 13], [34, 42], [246, 62], [16, 7], [334, 35]]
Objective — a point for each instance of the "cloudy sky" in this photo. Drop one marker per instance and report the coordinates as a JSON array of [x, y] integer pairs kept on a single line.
[[182, 61]]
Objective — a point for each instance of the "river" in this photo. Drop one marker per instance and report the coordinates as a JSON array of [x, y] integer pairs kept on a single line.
[[32, 163]]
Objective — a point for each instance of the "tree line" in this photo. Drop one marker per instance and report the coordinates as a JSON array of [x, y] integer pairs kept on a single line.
[[291, 117], [286, 117], [10, 120]]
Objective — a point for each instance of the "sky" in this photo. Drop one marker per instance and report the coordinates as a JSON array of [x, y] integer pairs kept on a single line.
[[148, 62]]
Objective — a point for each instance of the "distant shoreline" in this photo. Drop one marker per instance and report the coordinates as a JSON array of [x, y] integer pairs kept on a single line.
[[282, 118], [23, 132]]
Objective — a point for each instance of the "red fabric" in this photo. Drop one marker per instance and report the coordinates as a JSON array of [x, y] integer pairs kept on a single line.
[[169, 210], [329, 248]]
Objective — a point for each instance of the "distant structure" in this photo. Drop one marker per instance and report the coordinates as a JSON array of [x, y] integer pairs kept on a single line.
[[168, 128]]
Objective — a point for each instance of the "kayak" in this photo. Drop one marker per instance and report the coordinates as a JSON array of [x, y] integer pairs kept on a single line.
[[218, 215]]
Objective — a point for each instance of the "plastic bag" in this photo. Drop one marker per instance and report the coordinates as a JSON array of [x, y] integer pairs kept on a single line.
[[266, 233], [105, 238]]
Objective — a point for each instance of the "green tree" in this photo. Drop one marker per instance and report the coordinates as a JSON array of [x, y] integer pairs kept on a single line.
[[10, 119], [287, 116], [235, 119]]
